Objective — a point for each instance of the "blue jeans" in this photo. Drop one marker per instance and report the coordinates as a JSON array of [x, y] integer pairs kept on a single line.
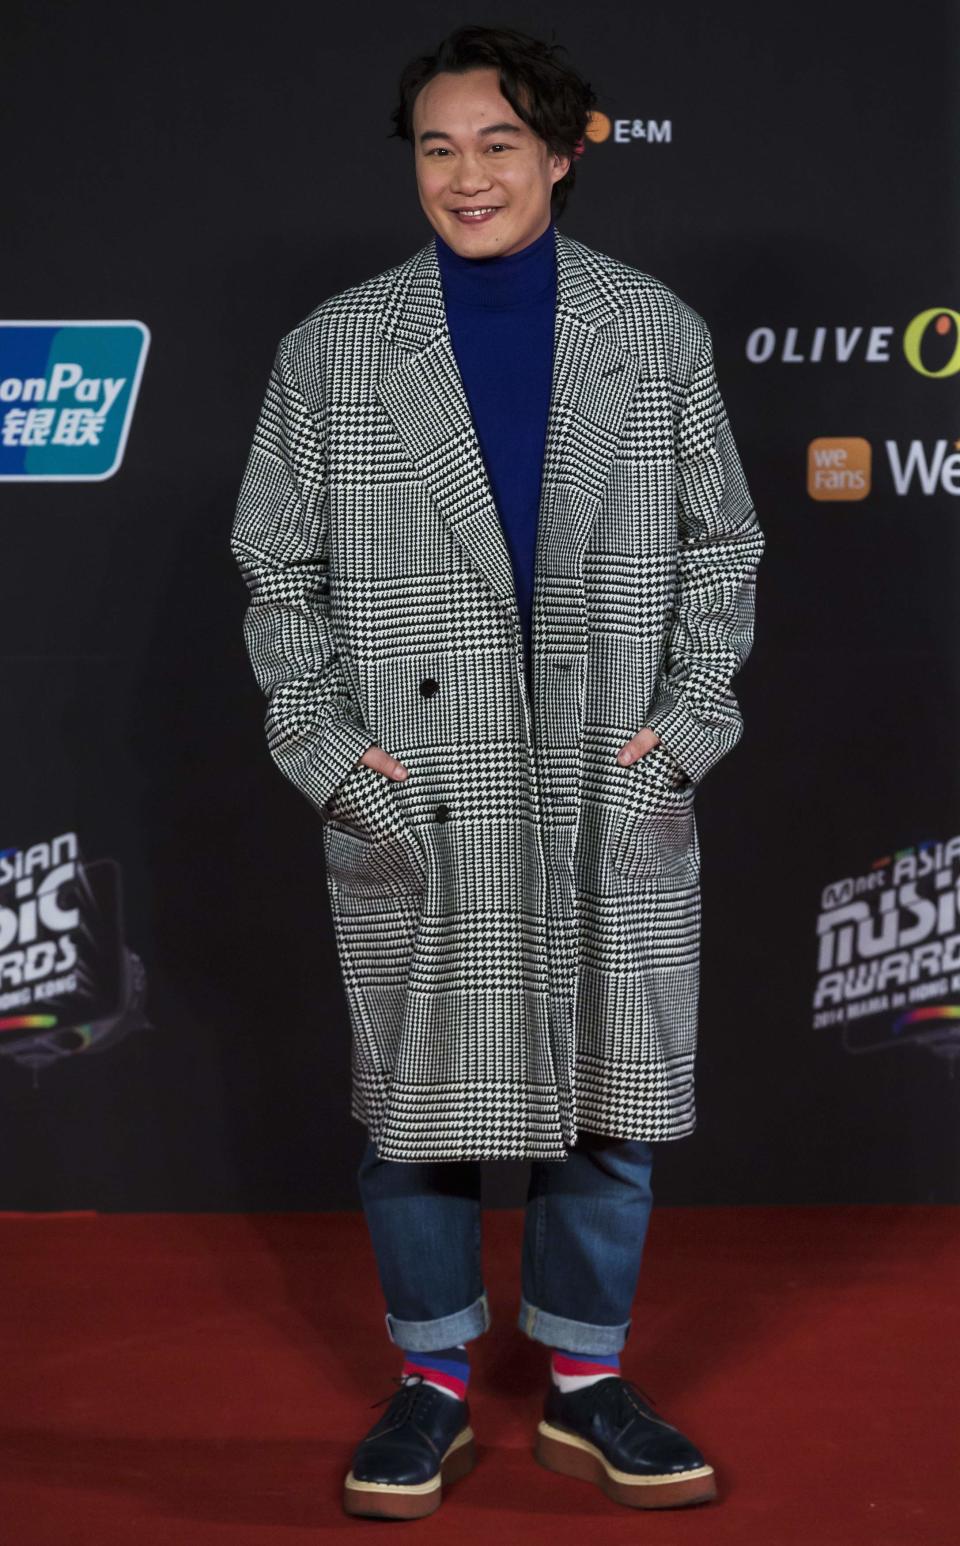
[[585, 1223]]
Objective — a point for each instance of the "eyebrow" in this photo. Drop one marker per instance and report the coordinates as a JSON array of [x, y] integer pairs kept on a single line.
[[490, 128]]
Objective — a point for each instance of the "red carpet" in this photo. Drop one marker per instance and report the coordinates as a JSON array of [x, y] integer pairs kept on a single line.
[[198, 1378]]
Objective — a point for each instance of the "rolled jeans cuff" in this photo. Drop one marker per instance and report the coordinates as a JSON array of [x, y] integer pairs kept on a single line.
[[446, 1331], [576, 1336]]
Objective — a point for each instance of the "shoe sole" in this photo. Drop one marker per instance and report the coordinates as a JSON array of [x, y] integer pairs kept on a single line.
[[411, 1500], [571, 1455]]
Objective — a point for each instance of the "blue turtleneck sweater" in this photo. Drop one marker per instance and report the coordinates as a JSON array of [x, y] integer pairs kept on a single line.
[[500, 312]]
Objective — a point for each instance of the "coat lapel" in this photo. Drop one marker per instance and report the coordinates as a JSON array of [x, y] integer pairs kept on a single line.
[[592, 384]]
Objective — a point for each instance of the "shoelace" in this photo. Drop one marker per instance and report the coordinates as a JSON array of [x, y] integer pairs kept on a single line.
[[624, 1393], [409, 1384]]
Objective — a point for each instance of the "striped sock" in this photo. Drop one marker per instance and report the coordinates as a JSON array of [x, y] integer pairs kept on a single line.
[[447, 1369], [572, 1371]]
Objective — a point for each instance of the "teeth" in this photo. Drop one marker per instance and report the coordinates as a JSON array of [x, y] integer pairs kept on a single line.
[[471, 212]]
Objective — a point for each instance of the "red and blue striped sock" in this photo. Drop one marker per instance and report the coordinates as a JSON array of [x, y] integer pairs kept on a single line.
[[446, 1368], [572, 1371]]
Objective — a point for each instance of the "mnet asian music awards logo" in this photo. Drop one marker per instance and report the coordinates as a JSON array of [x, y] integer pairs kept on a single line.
[[68, 983], [67, 395], [888, 953]]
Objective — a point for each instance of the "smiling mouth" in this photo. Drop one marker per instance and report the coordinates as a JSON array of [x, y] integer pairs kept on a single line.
[[476, 212]]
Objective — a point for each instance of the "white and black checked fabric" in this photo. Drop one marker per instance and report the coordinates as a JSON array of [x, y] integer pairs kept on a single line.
[[518, 922]]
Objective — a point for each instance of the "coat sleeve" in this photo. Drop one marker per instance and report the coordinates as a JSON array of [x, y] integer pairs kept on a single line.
[[279, 540], [720, 544]]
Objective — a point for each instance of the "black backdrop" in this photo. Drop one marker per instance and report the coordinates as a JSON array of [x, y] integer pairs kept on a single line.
[[214, 172]]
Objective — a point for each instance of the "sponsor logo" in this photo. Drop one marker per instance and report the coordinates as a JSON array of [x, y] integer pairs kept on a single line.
[[67, 394], [68, 983], [930, 344], [888, 953], [627, 131], [932, 471], [839, 467]]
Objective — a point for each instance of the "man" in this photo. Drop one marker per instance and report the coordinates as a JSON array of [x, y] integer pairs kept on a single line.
[[501, 555]]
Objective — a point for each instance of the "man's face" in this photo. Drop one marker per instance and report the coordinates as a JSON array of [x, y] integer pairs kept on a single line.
[[473, 153]]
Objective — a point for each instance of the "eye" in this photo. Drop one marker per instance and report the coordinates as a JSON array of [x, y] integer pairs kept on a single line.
[[443, 150]]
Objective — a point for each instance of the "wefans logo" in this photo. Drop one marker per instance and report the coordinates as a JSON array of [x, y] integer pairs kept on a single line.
[[839, 467]]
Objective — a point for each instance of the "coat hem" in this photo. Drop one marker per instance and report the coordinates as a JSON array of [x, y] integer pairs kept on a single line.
[[425, 1124]]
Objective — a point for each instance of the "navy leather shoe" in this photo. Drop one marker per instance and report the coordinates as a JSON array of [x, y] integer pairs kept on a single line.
[[609, 1434], [422, 1440]]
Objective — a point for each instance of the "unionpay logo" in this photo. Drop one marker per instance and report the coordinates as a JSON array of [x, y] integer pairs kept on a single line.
[[67, 394]]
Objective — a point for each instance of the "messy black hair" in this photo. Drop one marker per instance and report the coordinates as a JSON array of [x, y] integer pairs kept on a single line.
[[552, 99]]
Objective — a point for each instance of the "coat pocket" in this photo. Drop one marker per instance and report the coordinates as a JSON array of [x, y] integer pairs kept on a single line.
[[365, 866], [654, 836], [368, 841], [363, 801]]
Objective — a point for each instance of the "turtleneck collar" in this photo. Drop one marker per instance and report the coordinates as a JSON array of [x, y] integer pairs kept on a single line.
[[511, 279]]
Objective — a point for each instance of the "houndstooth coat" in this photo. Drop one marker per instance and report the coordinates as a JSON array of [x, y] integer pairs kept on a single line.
[[518, 922]]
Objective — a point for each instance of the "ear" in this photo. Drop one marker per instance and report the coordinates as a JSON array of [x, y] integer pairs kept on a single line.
[[560, 168]]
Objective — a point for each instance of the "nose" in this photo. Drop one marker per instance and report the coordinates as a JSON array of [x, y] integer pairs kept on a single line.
[[470, 176]]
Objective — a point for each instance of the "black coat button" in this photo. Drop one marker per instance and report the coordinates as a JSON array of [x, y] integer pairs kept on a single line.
[[443, 812], [428, 687]]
